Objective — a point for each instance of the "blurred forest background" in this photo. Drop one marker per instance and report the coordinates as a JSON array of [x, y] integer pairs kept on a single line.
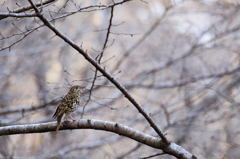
[[179, 59]]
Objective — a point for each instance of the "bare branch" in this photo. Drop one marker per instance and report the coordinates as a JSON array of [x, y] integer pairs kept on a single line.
[[28, 7], [120, 129], [18, 15], [9, 110], [99, 57], [187, 81]]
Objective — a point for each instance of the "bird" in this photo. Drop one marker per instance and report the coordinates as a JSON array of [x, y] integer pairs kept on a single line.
[[69, 104]]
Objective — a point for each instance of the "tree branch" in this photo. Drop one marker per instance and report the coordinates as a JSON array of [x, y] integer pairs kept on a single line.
[[18, 15], [184, 82], [28, 7], [10, 110], [120, 129]]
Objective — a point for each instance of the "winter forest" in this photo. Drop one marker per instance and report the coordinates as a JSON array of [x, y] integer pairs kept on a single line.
[[160, 79]]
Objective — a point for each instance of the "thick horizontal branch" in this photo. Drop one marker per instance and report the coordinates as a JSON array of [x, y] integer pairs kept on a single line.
[[18, 15], [120, 129]]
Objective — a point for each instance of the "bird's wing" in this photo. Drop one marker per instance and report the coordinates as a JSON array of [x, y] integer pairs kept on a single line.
[[60, 110], [67, 101]]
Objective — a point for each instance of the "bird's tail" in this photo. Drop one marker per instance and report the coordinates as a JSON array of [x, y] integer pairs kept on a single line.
[[59, 121]]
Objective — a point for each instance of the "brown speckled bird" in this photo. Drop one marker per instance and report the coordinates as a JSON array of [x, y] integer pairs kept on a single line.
[[69, 104]]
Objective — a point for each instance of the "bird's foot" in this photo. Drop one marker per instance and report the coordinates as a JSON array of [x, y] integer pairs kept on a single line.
[[65, 118], [74, 119]]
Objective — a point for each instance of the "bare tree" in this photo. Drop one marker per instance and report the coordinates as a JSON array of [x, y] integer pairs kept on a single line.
[[164, 75]]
